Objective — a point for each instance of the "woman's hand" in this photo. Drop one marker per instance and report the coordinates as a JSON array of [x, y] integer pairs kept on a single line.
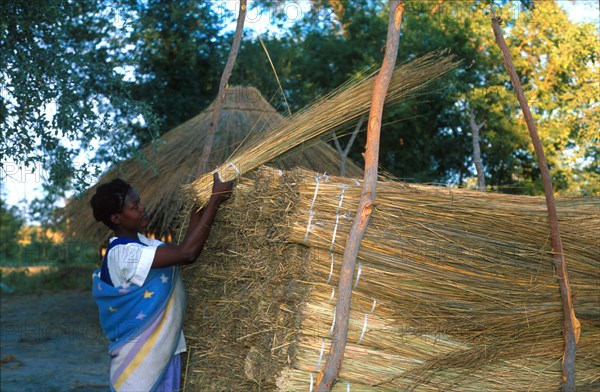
[[221, 190], [198, 229]]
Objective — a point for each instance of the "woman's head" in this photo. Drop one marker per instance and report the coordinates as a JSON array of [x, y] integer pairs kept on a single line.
[[109, 200]]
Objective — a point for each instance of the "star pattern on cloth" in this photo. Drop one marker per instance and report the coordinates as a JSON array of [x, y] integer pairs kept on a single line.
[[140, 316], [164, 278], [148, 294], [112, 309], [96, 275]]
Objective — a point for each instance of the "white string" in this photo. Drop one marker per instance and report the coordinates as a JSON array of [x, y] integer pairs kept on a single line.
[[358, 274], [374, 303], [337, 217], [347, 386], [330, 268], [332, 294], [310, 212], [357, 182], [234, 168], [320, 355], [332, 323], [311, 383], [364, 329]]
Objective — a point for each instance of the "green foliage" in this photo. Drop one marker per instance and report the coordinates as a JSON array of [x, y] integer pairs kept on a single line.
[[118, 74], [61, 90], [177, 56], [316, 55], [429, 139], [42, 251], [72, 277], [70, 264], [22, 246], [10, 224], [559, 63]]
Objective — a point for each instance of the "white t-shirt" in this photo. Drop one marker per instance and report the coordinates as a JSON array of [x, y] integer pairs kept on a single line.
[[131, 263]]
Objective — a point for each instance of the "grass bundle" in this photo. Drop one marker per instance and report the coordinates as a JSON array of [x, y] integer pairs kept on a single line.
[[174, 161], [469, 268], [343, 105], [454, 289]]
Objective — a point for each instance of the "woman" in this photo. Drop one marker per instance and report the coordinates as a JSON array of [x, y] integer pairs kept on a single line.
[[140, 296]]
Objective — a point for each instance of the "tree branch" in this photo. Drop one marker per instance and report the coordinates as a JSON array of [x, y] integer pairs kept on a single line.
[[345, 151], [477, 150], [572, 327], [328, 376], [338, 146], [356, 129], [210, 135]]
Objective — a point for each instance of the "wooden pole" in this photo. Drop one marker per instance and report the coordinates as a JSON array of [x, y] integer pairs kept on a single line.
[[210, 135], [328, 376], [572, 327]]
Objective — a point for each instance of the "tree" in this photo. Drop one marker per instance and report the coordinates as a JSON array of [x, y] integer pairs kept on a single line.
[[177, 55], [429, 140], [314, 57], [10, 224], [559, 63], [62, 90], [118, 74]]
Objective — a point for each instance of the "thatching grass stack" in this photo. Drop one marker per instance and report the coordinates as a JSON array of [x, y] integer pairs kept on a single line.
[[455, 289], [245, 292]]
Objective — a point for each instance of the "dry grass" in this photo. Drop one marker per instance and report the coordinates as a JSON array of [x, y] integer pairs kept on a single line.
[[173, 162], [345, 104], [457, 289]]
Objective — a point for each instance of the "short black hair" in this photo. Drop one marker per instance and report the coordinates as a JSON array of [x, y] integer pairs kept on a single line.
[[109, 199]]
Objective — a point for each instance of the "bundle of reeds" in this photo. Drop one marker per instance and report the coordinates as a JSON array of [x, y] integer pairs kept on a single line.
[[339, 107], [175, 160], [454, 289]]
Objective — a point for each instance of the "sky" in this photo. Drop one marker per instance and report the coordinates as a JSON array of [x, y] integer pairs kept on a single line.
[[20, 185]]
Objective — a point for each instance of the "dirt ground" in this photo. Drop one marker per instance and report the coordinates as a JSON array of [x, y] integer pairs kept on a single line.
[[52, 342]]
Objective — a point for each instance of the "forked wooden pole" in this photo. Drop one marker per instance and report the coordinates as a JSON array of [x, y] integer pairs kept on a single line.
[[572, 327], [328, 376], [235, 47]]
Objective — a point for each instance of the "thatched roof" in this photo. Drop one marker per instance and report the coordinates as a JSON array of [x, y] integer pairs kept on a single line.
[[175, 162], [454, 290]]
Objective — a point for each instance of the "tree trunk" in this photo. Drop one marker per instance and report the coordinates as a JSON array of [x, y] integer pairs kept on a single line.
[[210, 135], [328, 376], [477, 150], [572, 327]]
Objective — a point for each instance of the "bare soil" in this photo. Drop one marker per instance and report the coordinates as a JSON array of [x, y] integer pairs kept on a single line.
[[52, 342]]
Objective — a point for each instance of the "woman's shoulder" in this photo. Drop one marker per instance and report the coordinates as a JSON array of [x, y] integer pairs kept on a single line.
[[149, 241]]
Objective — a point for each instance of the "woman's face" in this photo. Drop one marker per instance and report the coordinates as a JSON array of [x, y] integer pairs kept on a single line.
[[134, 215]]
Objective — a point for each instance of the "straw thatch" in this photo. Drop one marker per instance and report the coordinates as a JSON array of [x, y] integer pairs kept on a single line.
[[324, 115], [455, 289], [174, 161]]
